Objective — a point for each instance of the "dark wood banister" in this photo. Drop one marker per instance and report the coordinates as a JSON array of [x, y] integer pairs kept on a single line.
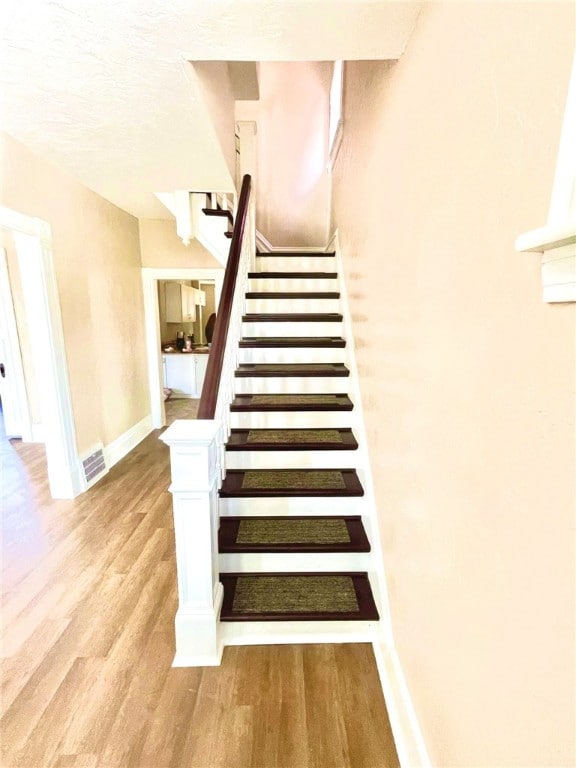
[[207, 407]]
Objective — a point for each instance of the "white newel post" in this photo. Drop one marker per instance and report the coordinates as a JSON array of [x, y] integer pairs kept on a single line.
[[194, 459]]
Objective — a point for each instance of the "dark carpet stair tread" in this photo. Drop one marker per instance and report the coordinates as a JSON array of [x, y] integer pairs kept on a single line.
[[293, 275], [292, 341], [219, 212], [297, 597], [291, 440], [292, 369], [240, 483], [292, 295], [292, 402], [297, 254], [293, 317], [292, 534]]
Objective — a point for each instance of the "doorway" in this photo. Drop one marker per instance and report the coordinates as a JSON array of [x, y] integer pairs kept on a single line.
[[13, 395], [150, 278], [32, 240]]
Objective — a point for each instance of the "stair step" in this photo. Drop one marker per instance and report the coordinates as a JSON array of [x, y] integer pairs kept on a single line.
[[291, 482], [292, 295], [293, 275], [293, 317], [297, 597], [292, 402], [291, 440], [292, 341], [291, 369], [218, 212], [296, 254], [292, 534]]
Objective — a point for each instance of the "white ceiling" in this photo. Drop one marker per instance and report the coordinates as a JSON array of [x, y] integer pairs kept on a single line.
[[102, 87]]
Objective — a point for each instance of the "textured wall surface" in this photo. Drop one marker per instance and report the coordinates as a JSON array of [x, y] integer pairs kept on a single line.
[[293, 199], [97, 262], [162, 248], [467, 376], [104, 88]]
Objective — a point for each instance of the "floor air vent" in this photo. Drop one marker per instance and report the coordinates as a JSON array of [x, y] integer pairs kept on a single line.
[[94, 466]]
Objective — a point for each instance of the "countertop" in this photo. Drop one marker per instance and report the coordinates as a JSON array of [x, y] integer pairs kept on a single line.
[[198, 351]]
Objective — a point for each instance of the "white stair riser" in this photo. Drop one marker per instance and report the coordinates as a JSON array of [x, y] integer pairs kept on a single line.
[[291, 419], [272, 385], [292, 562], [290, 459], [291, 305], [295, 263], [291, 355], [292, 505], [292, 329], [293, 284], [296, 632]]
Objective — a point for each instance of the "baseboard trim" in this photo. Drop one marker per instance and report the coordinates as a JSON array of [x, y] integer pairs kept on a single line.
[[117, 449], [408, 737], [264, 245]]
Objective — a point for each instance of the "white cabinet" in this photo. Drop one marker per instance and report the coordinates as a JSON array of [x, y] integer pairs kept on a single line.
[[180, 303], [201, 363], [184, 373], [180, 374]]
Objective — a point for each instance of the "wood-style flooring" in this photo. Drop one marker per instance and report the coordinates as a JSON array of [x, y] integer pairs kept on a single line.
[[88, 602]]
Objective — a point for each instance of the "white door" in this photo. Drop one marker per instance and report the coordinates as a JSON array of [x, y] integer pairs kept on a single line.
[[12, 387]]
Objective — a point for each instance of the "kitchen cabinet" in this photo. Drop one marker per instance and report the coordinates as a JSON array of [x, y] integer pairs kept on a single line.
[[180, 303], [184, 373], [201, 363]]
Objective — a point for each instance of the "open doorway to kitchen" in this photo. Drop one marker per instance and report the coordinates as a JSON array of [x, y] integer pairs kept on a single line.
[[177, 305]]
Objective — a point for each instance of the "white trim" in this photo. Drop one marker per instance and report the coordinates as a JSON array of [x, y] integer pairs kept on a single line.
[[126, 442], [559, 280], [408, 738], [150, 277], [18, 408], [546, 238], [265, 246], [38, 434], [380, 587], [33, 240], [336, 144]]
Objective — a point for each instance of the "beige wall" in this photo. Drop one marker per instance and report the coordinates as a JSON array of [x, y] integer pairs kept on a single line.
[[97, 262], [217, 92], [162, 248], [467, 377], [293, 201]]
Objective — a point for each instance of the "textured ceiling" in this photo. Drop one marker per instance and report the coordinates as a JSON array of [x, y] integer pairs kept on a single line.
[[102, 88]]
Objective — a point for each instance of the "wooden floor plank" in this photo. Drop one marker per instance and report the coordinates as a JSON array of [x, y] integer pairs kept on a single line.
[[90, 595]]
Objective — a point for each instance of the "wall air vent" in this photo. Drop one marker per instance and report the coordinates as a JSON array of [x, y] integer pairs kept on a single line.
[[94, 465]]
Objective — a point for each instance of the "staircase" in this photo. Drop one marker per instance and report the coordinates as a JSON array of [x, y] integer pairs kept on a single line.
[[294, 554]]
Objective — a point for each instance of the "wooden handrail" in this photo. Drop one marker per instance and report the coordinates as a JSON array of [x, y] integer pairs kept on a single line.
[[207, 406]]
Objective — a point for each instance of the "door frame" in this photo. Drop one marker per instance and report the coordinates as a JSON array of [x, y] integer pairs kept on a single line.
[[15, 401], [150, 277], [33, 242]]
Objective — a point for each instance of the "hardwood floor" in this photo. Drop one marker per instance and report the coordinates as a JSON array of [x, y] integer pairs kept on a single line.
[[89, 597]]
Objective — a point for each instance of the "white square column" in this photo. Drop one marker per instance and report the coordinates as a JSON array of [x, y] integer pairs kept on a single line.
[[194, 454]]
